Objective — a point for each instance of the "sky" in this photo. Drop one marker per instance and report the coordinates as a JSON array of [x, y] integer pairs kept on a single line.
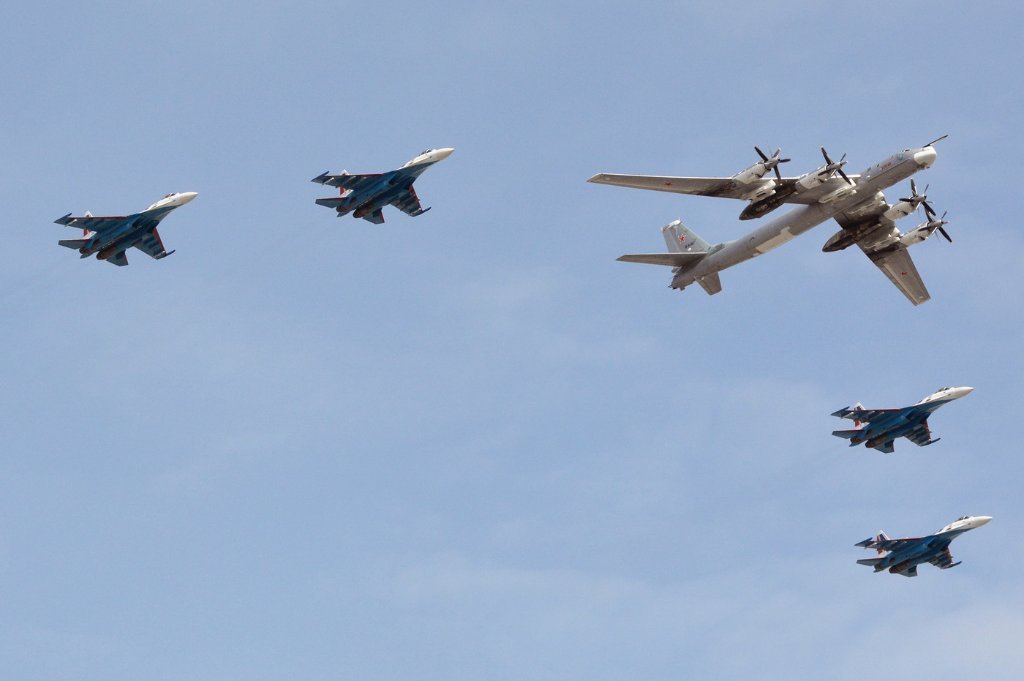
[[471, 445]]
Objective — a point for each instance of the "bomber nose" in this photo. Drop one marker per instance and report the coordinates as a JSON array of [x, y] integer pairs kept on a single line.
[[925, 157]]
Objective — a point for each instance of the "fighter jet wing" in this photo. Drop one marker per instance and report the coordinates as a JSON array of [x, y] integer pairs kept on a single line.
[[347, 181], [888, 544], [92, 223], [152, 245], [715, 186], [921, 435], [409, 203], [863, 415], [944, 560], [899, 267]]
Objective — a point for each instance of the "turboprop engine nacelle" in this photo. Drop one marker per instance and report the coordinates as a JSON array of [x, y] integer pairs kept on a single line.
[[813, 179], [900, 210], [841, 193], [922, 232], [761, 190]]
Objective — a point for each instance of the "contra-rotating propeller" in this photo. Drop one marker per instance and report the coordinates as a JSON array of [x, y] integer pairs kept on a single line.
[[916, 200], [773, 162], [832, 167], [934, 224]]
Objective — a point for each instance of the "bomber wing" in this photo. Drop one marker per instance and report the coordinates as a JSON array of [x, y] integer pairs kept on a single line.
[[409, 203], [93, 223], [899, 267], [723, 187], [879, 239]]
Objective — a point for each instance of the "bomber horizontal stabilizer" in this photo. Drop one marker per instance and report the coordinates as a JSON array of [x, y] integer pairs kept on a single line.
[[667, 259], [711, 283]]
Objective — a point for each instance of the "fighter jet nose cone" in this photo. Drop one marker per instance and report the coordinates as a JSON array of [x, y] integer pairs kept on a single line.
[[982, 520], [444, 153], [961, 392], [925, 157], [185, 197]]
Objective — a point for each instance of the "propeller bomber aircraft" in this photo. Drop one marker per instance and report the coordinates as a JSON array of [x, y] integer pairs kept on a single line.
[[856, 202]]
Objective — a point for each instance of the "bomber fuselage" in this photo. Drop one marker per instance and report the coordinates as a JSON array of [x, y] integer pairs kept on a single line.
[[864, 194]]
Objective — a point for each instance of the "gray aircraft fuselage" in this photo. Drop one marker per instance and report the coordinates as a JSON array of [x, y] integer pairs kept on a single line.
[[871, 182]]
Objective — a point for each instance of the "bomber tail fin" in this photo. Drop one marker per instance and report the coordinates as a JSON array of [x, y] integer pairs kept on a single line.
[[681, 239]]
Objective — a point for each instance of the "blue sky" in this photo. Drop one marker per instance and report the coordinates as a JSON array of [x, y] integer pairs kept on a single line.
[[471, 444]]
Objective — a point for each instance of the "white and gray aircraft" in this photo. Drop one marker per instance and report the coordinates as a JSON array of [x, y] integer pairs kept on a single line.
[[855, 201]]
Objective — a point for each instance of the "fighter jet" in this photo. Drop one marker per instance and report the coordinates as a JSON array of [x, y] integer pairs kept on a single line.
[[882, 426], [366, 195], [109, 237], [855, 201], [902, 556]]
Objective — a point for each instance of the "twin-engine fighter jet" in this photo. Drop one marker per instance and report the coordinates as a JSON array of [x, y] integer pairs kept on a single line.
[[856, 202], [878, 428], [366, 195], [902, 556], [109, 237]]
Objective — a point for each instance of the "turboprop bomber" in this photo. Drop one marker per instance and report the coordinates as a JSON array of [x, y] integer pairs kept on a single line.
[[366, 195], [109, 237], [853, 200], [879, 428], [902, 556]]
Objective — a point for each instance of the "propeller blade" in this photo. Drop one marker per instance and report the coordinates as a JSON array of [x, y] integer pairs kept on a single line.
[[945, 234], [913, 187], [825, 154], [760, 153], [848, 180], [778, 175], [928, 210]]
